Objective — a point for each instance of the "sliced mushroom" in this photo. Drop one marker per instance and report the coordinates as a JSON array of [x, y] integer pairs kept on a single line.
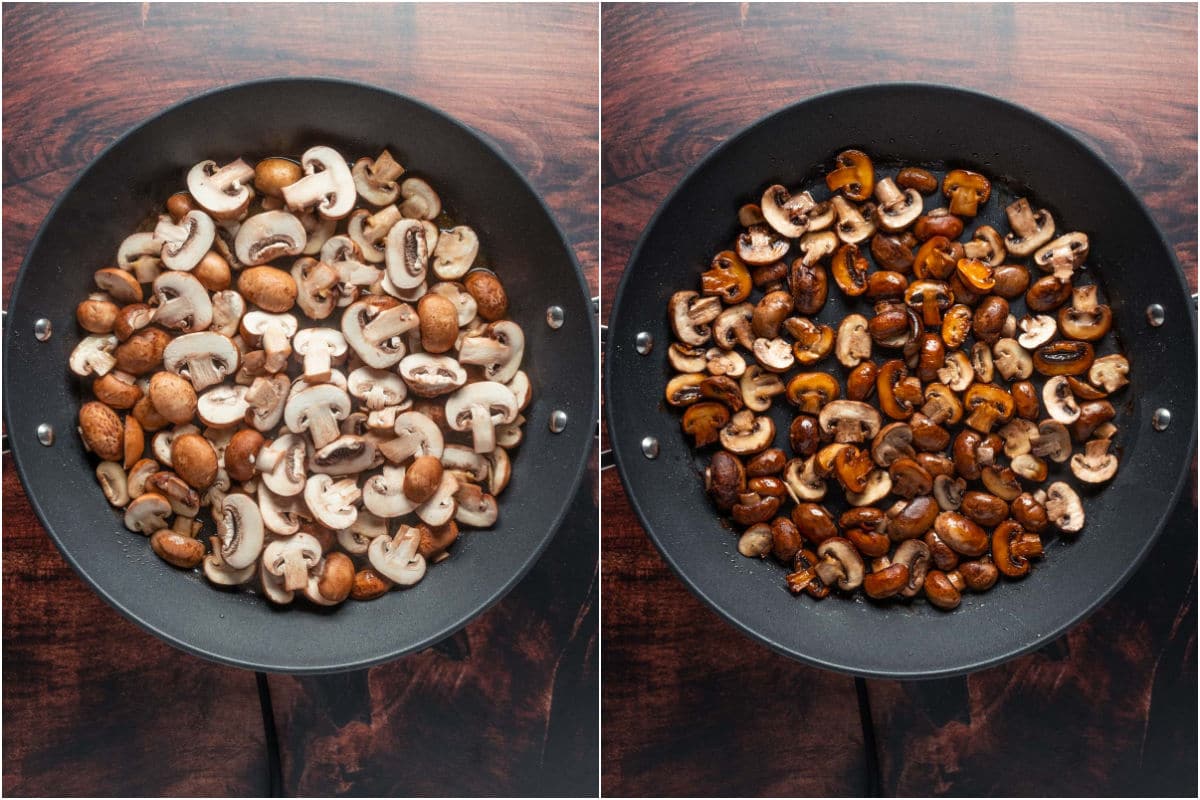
[[240, 529], [1064, 507], [147, 513], [407, 254], [319, 346], [317, 409], [840, 563], [1085, 319], [1030, 229], [498, 350], [455, 253], [690, 316], [327, 184], [223, 192], [94, 356], [1109, 372], [420, 200], [332, 503], [396, 557], [957, 372], [267, 236], [850, 420], [897, 208], [1063, 255], [1011, 360], [853, 341], [802, 481], [432, 376], [374, 327], [479, 407], [375, 180], [227, 310], [759, 245], [1058, 400], [223, 406], [113, 482], [140, 253], [852, 227], [730, 328], [265, 400], [273, 332], [1095, 464], [292, 559], [204, 358], [758, 387]]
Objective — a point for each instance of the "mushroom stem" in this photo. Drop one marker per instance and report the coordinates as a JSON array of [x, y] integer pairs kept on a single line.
[[318, 360], [295, 570], [277, 346], [483, 430], [393, 322], [266, 459], [202, 373], [376, 397], [323, 426]]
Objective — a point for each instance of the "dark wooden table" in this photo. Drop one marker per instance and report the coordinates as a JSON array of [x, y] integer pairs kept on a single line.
[[92, 705], [690, 706]]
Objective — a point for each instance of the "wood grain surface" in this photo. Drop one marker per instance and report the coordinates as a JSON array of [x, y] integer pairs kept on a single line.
[[92, 705], [692, 707]]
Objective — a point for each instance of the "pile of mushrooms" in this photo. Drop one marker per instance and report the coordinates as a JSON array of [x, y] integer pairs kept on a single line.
[[949, 422], [309, 352]]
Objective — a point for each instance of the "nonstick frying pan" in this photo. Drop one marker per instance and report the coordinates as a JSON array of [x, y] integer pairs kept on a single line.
[[942, 128], [118, 190]]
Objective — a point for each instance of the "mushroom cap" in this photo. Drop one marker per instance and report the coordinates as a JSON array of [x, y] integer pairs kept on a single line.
[[257, 322], [842, 551], [838, 411], [879, 484], [416, 434], [267, 236], [1064, 508], [185, 244], [223, 406], [476, 507], [1030, 229], [240, 527], [147, 513], [429, 375], [333, 504], [420, 200], [787, 213], [140, 249], [383, 494], [499, 401], [183, 302], [374, 179], [378, 388], [897, 209], [183, 352], [1012, 360], [305, 339], [1095, 464], [396, 557], [301, 404], [287, 476], [328, 184], [1059, 401]]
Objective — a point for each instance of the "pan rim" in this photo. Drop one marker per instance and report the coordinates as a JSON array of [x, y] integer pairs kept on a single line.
[[279, 666], [622, 450]]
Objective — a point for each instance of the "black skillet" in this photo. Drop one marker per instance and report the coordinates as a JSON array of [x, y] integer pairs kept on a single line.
[[118, 190], [942, 128]]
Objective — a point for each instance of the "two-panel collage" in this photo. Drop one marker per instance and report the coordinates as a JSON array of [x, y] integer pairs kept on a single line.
[[599, 399]]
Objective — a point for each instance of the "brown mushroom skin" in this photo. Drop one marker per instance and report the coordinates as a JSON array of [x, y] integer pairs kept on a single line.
[[961, 534], [1047, 294], [931, 357], [116, 393], [814, 522], [886, 285], [177, 549], [96, 316], [1092, 415], [438, 322], [142, 352], [272, 174], [703, 422], [940, 592], [1063, 358], [767, 486], [804, 435], [886, 582], [804, 579], [928, 436], [910, 520], [935, 463], [102, 430], [989, 318], [369, 585], [180, 204], [726, 479], [490, 297], [194, 459], [1029, 513], [436, 539], [727, 278], [786, 540], [1012, 547], [769, 277], [893, 251], [145, 413], [1012, 281], [909, 478], [770, 313], [965, 454], [754, 508], [942, 554], [979, 575], [337, 577], [768, 462], [984, 509], [173, 397], [241, 452], [268, 288], [860, 383], [213, 272], [869, 543], [1025, 400], [938, 222], [809, 287], [422, 478], [922, 180], [849, 270]]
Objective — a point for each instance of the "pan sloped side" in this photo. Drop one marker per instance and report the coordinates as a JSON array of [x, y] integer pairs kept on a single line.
[[1129, 258], [519, 238]]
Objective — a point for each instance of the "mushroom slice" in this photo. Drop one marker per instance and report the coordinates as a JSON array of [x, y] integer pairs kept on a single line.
[[204, 358], [223, 406], [333, 504], [219, 572], [240, 528], [957, 372], [113, 482], [455, 253], [774, 354], [416, 435], [368, 231], [272, 586], [407, 254], [479, 407], [431, 376], [691, 314], [498, 350], [853, 341], [94, 356], [441, 507], [223, 192], [358, 536], [803, 483], [141, 254], [184, 244], [894, 441], [319, 346], [849, 421], [464, 304], [227, 309], [375, 180], [840, 563], [292, 559], [879, 484], [1058, 400], [281, 515], [1037, 330], [1030, 229], [1064, 508], [318, 287], [283, 465], [420, 200], [986, 246], [383, 494], [374, 327], [318, 229], [148, 513], [897, 208], [1017, 435], [789, 214], [499, 470], [317, 409], [268, 236], [345, 455], [747, 433], [274, 333], [1011, 360], [376, 388], [1109, 372], [396, 558], [1095, 464], [1063, 255], [327, 184], [476, 507], [816, 245], [852, 227], [1052, 440], [265, 399], [522, 389]]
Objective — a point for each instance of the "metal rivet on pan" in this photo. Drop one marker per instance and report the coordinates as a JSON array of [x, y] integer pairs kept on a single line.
[[650, 447], [45, 434], [643, 343], [555, 317], [1161, 419], [1155, 315], [558, 421], [42, 329]]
